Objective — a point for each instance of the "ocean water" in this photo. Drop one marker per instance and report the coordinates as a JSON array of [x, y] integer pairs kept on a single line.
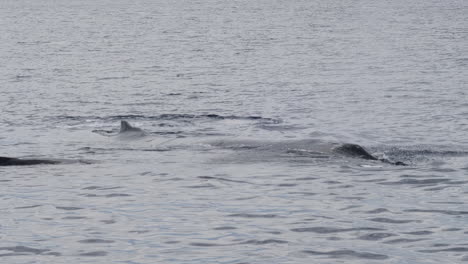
[[235, 97]]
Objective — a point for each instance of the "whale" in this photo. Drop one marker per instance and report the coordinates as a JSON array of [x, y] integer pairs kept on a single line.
[[313, 149], [13, 161], [356, 151], [8, 161], [309, 148]]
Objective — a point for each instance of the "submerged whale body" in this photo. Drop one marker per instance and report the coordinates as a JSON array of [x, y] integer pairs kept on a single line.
[[311, 148], [7, 161]]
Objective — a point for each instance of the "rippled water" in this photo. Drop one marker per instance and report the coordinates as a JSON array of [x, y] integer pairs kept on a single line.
[[235, 97]]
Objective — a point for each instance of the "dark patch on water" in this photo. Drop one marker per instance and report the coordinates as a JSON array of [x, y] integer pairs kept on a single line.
[[254, 215], [264, 242], [197, 244], [225, 228], [451, 229], [303, 193], [376, 236], [171, 242], [447, 212], [306, 179], [56, 254], [423, 182], [348, 254], [350, 207], [139, 231], [391, 221], [68, 208], [117, 195], [350, 197], [99, 188], [419, 233], [108, 221], [328, 230], [454, 249], [440, 245], [74, 217], [28, 207], [286, 185], [94, 254], [377, 211], [449, 202], [106, 195], [23, 250], [403, 240], [210, 186], [95, 241], [221, 179]]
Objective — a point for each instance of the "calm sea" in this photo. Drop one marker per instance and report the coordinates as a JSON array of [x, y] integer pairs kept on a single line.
[[234, 96]]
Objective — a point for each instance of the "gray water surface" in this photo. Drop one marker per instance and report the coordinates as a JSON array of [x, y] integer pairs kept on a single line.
[[234, 96]]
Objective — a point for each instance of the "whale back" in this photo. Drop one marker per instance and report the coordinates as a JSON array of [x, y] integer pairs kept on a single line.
[[354, 150], [7, 161]]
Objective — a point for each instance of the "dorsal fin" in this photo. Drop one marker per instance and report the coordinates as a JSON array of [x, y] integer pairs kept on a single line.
[[125, 126]]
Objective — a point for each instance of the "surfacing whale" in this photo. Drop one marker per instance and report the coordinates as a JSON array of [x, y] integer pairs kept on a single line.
[[7, 161], [309, 148], [357, 151]]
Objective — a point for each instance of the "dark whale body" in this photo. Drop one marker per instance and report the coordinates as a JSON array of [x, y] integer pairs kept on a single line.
[[125, 130], [313, 148], [356, 151], [7, 161]]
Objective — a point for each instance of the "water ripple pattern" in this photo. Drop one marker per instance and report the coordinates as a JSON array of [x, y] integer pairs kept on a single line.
[[241, 103]]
